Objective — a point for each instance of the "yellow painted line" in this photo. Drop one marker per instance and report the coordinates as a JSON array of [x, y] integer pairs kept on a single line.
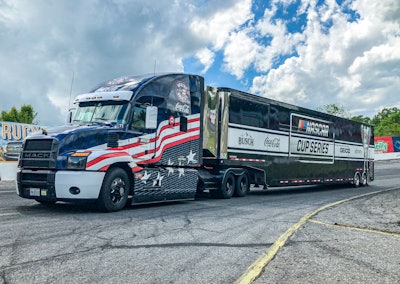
[[368, 230], [255, 269]]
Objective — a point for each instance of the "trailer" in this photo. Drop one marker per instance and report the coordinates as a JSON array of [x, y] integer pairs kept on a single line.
[[155, 138]]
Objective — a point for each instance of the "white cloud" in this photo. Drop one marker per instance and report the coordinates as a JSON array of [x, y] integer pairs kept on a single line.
[[206, 58], [350, 63], [239, 53]]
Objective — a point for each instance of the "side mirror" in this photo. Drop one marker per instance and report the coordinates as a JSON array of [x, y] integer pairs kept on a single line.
[[151, 117]]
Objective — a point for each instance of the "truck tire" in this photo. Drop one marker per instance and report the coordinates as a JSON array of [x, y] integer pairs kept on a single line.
[[114, 191], [242, 185], [356, 179], [228, 186]]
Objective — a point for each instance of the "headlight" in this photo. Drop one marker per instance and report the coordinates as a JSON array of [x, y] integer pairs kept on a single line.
[[77, 160]]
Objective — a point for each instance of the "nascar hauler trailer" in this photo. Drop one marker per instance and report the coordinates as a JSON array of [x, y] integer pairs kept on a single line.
[[142, 139]]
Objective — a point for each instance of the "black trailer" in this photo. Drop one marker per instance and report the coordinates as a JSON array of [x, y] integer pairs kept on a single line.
[[248, 139]]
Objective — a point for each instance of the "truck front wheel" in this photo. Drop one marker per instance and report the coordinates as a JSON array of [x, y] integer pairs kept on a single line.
[[114, 191]]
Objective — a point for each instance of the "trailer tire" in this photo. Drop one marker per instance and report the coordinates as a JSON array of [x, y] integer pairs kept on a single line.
[[114, 191], [242, 185], [364, 179], [356, 179]]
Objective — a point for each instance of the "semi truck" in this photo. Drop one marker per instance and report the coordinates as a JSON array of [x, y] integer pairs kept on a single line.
[[164, 137]]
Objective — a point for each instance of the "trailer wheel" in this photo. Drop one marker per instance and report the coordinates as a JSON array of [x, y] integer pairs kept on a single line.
[[114, 191], [356, 179], [364, 179], [242, 185]]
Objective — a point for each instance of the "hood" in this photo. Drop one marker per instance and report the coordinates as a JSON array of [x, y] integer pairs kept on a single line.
[[74, 137]]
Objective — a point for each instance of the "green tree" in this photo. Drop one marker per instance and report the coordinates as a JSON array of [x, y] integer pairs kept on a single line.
[[26, 114], [389, 125], [384, 113], [362, 119]]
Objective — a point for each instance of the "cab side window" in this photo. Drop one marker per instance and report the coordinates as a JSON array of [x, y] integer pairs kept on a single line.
[[139, 118], [139, 112]]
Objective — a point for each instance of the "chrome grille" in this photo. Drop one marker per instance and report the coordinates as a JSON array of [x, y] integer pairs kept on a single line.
[[39, 154]]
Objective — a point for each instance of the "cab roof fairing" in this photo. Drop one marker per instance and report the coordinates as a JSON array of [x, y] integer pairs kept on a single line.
[[125, 83], [104, 96]]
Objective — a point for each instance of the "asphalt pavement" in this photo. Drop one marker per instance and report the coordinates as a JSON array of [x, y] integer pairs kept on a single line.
[[360, 237]]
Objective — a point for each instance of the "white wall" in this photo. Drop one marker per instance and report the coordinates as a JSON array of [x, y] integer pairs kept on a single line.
[[8, 170], [386, 156]]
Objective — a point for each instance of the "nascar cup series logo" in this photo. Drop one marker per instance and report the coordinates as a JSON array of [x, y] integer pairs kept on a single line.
[[182, 93], [314, 128]]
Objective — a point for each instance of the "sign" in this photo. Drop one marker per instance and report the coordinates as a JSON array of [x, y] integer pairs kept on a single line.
[[384, 144], [12, 135]]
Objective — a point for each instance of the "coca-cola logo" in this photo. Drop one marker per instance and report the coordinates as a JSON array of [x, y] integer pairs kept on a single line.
[[272, 142]]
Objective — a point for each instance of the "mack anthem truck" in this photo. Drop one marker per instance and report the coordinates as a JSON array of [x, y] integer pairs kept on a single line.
[[142, 139]]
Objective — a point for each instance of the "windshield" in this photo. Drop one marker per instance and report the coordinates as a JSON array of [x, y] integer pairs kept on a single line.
[[103, 112]]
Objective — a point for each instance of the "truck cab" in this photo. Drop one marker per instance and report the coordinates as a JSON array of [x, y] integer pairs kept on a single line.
[[134, 139]]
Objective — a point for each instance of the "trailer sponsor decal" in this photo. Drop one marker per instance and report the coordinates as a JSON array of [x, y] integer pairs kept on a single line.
[[313, 147], [272, 142], [314, 128], [310, 126], [260, 141], [246, 139]]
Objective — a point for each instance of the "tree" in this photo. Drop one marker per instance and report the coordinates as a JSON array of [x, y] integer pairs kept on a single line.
[[362, 119], [384, 113], [334, 109], [389, 125], [25, 115]]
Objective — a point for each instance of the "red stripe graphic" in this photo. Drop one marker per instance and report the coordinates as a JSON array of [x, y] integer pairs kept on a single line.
[[152, 140], [105, 156], [158, 135], [167, 146], [163, 139]]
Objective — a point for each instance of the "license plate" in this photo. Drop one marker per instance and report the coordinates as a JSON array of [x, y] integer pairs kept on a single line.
[[34, 191]]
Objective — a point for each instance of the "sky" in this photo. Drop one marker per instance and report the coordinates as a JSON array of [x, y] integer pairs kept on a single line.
[[309, 53]]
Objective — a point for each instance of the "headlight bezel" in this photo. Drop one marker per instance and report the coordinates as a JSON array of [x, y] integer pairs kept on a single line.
[[77, 160]]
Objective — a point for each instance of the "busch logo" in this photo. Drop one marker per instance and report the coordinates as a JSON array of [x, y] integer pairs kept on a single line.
[[246, 139]]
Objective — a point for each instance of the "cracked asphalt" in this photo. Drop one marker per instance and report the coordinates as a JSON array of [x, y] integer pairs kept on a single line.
[[207, 240]]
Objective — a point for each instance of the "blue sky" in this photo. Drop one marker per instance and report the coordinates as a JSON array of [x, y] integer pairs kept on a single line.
[[309, 53]]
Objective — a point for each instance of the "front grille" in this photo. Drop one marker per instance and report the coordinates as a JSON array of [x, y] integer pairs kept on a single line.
[[39, 154]]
